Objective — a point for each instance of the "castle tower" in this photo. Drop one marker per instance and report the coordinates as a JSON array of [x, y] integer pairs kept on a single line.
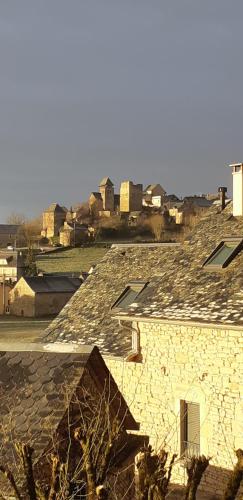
[[131, 196], [107, 194], [53, 219], [237, 171]]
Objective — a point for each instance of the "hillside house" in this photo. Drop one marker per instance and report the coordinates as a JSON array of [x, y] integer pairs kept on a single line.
[[169, 327], [73, 233], [47, 395], [9, 235], [53, 219], [11, 265], [41, 295], [153, 195]]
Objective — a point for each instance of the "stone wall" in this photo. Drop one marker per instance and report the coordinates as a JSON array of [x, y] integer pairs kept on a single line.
[[131, 196], [52, 223], [50, 303], [196, 364], [22, 300]]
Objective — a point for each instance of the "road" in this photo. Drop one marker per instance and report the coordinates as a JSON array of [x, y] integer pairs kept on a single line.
[[22, 330]]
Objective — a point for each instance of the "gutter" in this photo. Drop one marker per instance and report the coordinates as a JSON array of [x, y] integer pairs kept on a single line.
[[199, 324]]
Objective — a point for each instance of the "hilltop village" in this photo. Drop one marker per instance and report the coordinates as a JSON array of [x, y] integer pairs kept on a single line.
[[109, 214], [136, 386]]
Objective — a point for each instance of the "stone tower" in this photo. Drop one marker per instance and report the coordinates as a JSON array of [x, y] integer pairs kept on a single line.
[[131, 196], [53, 219], [107, 194]]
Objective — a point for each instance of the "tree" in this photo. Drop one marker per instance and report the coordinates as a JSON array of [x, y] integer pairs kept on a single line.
[[157, 225], [15, 218], [29, 231]]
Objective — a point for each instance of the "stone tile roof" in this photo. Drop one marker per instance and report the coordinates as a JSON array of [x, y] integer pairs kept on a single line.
[[37, 384], [180, 288], [9, 228], [54, 207], [106, 182], [53, 284]]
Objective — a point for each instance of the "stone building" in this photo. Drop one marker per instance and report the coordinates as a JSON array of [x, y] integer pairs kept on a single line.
[[103, 202], [131, 197], [154, 195], [73, 233], [46, 395], [12, 265], [41, 295], [53, 220], [171, 324], [5, 288], [107, 194], [9, 234]]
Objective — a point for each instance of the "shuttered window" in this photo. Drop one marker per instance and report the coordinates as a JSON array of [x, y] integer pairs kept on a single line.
[[190, 428]]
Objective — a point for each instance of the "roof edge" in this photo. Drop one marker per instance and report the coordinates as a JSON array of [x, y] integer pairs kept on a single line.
[[180, 322]]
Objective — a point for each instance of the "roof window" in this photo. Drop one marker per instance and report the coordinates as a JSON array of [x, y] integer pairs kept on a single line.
[[224, 253], [130, 294]]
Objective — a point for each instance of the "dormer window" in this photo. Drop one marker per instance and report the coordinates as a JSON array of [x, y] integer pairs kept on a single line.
[[224, 253], [130, 294]]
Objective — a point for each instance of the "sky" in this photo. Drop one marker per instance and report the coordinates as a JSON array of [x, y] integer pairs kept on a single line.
[[147, 90]]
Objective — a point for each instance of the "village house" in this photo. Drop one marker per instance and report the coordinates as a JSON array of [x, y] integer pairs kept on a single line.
[[11, 265], [53, 219], [9, 235], [41, 295], [5, 288], [153, 195], [46, 391], [168, 321], [73, 233]]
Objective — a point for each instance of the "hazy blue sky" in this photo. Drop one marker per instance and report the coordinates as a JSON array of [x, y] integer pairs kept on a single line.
[[149, 90]]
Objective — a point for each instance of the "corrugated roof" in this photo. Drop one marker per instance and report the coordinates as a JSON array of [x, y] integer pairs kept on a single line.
[[53, 284]]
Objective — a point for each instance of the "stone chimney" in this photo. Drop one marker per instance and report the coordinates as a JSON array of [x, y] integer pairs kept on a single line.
[[222, 192], [237, 171]]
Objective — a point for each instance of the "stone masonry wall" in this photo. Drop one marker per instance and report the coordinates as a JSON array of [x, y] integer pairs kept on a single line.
[[196, 364]]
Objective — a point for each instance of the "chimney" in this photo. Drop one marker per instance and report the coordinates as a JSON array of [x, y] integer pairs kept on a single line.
[[222, 191], [237, 171]]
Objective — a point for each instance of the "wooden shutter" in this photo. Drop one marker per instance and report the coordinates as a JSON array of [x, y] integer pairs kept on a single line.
[[193, 423]]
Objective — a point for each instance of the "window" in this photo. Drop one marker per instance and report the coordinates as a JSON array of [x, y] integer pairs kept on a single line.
[[224, 253], [190, 429], [237, 168], [129, 295]]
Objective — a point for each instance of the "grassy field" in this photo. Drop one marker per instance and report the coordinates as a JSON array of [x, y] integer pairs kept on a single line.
[[13, 329], [71, 260]]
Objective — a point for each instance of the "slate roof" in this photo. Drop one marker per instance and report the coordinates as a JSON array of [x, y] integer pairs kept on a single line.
[[53, 284], [37, 383], [96, 195], [9, 228], [179, 289], [106, 182], [54, 207]]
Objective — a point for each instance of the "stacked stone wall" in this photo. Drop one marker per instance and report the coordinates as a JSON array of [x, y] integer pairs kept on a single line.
[[196, 364]]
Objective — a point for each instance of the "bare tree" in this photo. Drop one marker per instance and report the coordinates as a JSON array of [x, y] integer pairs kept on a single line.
[[157, 225]]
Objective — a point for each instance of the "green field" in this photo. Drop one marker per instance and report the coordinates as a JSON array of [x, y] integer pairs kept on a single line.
[[70, 260]]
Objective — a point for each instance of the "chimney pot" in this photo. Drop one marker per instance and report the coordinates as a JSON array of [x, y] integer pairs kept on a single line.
[[222, 191]]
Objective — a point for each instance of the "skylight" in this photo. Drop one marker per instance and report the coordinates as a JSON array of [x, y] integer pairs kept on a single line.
[[224, 253], [130, 294]]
